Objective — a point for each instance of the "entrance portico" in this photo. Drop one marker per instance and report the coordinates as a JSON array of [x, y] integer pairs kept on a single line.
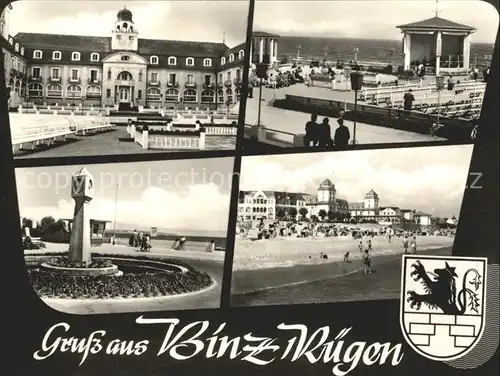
[[444, 44]]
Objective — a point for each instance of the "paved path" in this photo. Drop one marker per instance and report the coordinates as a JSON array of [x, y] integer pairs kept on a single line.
[[294, 121], [109, 143]]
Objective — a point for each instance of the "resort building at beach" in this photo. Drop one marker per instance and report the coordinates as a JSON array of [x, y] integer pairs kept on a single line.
[[121, 70]]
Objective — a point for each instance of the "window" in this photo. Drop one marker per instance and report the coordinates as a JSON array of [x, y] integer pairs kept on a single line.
[[238, 93], [172, 95], [54, 73], [241, 54], [108, 93], [220, 78], [153, 60], [125, 76], [35, 90], [154, 77], [172, 79], [189, 95], [35, 72], [229, 94], [75, 74], [94, 56], [75, 56], [118, 36], [220, 96], [153, 94], [37, 54], [74, 91], [207, 96], [229, 76], [207, 62], [17, 47], [56, 55], [231, 58], [238, 74], [190, 79], [208, 80], [54, 90], [190, 62], [172, 60], [93, 91], [93, 75], [22, 51], [139, 94], [222, 61], [125, 58]]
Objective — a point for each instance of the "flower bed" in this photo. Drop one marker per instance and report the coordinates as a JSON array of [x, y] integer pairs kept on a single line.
[[64, 262], [129, 285]]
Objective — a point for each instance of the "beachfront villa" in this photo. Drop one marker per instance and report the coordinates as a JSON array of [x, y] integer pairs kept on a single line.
[[119, 70], [444, 44], [272, 205]]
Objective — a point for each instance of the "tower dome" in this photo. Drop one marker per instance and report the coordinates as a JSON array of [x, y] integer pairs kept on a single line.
[[326, 184], [124, 15]]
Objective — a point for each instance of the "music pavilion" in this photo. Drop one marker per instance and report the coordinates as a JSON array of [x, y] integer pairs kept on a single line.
[[126, 70]]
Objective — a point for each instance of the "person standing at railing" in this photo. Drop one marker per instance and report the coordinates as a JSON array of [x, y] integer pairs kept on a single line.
[[342, 136], [408, 101], [325, 134], [311, 131]]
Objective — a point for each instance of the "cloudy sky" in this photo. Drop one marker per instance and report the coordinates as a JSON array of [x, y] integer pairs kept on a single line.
[[175, 20], [171, 195], [369, 19], [430, 179]]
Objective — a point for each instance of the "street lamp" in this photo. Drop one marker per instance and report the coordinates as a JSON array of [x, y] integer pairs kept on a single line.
[[261, 69], [161, 100], [356, 85], [73, 97], [83, 99]]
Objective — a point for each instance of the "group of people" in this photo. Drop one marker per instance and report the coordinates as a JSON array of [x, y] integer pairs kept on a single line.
[[319, 134], [140, 240]]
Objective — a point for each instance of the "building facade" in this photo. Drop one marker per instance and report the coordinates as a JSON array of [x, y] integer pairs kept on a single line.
[[128, 71]]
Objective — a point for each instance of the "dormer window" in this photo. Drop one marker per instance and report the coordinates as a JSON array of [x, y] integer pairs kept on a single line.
[[37, 54], [94, 56], [75, 56], [11, 41], [172, 60], [207, 62], [22, 51], [231, 58], [153, 60], [17, 47], [222, 61], [241, 54], [190, 62], [56, 55], [125, 58]]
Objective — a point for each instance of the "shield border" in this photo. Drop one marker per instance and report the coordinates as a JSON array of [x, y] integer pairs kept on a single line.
[[403, 299]]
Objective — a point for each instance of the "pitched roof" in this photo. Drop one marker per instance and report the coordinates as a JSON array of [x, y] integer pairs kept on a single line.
[[372, 193], [422, 214], [436, 23]]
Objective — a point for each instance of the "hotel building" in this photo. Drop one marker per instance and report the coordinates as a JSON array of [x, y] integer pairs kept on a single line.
[[272, 205], [121, 70]]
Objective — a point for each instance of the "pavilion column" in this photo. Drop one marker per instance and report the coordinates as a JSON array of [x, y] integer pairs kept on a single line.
[[261, 50], [439, 42], [407, 50], [466, 52], [276, 50], [271, 51]]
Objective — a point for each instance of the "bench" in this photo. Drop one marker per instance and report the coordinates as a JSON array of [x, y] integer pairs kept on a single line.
[[38, 133]]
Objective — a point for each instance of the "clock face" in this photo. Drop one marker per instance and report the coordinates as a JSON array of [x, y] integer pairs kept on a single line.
[[77, 184]]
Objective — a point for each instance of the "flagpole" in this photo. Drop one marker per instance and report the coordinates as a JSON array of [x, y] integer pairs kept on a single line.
[[114, 220]]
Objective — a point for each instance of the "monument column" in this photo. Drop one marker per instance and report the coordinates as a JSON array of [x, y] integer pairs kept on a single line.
[[438, 52], [407, 50], [261, 50], [82, 188]]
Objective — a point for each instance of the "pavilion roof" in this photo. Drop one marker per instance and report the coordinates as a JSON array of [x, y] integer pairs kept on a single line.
[[436, 23]]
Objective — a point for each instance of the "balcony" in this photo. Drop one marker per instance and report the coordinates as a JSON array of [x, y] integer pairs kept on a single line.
[[73, 80], [237, 82], [173, 84], [154, 83], [35, 79], [210, 85], [190, 85], [228, 83], [56, 80], [94, 82], [124, 83]]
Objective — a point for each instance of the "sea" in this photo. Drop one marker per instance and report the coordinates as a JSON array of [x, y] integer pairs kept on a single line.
[[369, 50]]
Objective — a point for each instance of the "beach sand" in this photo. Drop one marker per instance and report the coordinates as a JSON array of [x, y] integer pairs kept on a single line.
[[287, 251]]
